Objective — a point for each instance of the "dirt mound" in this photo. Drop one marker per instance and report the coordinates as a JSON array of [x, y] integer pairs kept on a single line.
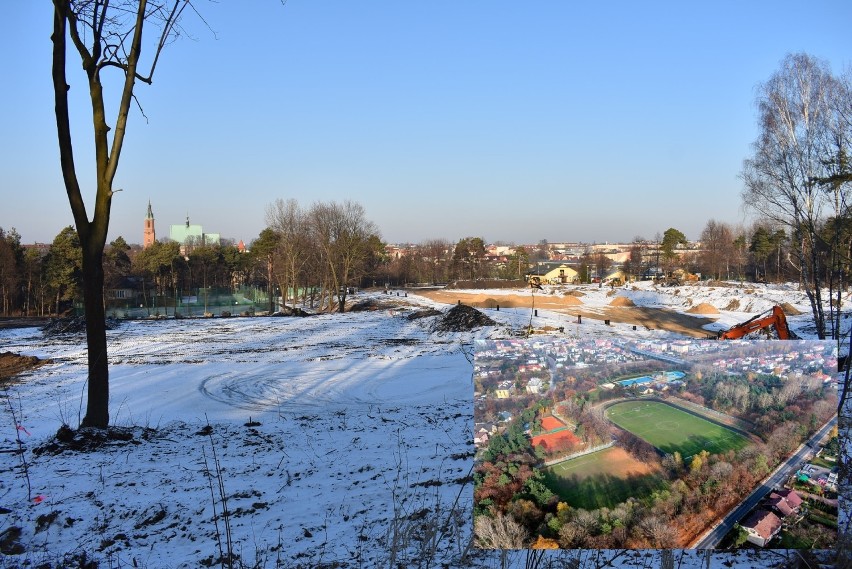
[[89, 439], [369, 305], [12, 364], [462, 318], [621, 301], [7, 323], [572, 301], [425, 313], [733, 305], [291, 311], [76, 325], [576, 293], [488, 283], [789, 309], [721, 284], [703, 308]]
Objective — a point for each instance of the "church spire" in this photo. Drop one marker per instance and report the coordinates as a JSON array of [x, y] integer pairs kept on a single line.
[[149, 235]]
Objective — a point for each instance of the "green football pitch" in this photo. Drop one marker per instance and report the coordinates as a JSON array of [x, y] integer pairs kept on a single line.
[[671, 429]]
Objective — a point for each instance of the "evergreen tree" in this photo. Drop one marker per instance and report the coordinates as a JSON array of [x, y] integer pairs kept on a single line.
[[64, 268]]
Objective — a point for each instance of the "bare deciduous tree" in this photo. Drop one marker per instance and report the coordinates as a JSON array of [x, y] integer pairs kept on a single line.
[[290, 223], [499, 532], [341, 233], [106, 37], [436, 252], [717, 243], [799, 170]]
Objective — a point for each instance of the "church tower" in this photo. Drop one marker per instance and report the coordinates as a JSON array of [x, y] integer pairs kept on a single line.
[[149, 235]]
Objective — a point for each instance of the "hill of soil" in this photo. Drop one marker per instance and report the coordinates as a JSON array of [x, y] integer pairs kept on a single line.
[[789, 309], [424, 313], [13, 364], [463, 318], [490, 283], [74, 325], [703, 308], [23, 322], [621, 301], [484, 300], [651, 318]]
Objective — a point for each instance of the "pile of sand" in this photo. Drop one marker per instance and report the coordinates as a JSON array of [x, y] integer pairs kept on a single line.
[[576, 293], [487, 283], [621, 301], [505, 301], [572, 301], [703, 308], [789, 309]]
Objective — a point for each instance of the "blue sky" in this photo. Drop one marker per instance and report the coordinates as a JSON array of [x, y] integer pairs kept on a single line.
[[513, 121]]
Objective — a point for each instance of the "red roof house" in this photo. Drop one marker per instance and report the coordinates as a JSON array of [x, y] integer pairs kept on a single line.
[[761, 526], [792, 498], [778, 503]]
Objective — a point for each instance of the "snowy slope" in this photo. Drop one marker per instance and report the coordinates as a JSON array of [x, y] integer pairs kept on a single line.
[[340, 439]]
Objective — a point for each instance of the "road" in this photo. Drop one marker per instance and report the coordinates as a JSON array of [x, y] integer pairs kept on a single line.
[[662, 357], [712, 538]]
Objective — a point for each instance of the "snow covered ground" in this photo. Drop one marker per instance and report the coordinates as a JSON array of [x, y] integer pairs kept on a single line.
[[735, 303], [339, 441]]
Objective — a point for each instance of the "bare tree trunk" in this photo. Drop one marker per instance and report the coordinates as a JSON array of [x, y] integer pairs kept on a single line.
[[97, 407], [270, 280], [84, 22]]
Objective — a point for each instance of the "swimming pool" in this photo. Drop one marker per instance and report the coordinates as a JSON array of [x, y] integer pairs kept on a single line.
[[665, 376]]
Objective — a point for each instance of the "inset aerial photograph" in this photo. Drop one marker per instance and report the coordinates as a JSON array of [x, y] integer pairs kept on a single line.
[[604, 443]]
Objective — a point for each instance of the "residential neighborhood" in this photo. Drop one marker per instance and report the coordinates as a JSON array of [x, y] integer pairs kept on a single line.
[[710, 418]]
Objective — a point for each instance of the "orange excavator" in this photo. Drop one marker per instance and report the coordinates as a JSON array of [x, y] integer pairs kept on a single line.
[[771, 319]]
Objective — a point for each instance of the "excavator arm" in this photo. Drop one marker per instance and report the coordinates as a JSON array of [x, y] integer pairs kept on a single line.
[[775, 318]]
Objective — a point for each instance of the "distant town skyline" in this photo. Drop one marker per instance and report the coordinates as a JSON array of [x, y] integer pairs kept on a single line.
[[149, 230], [507, 121]]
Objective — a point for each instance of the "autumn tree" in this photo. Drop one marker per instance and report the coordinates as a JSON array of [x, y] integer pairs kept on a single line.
[[106, 37]]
